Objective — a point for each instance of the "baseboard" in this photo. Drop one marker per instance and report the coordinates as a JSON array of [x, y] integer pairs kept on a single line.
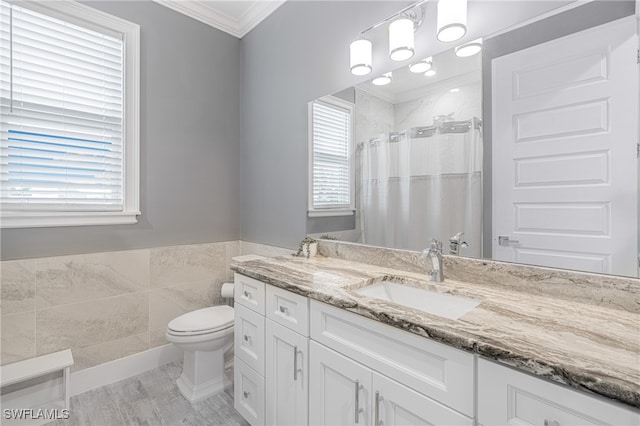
[[123, 368]]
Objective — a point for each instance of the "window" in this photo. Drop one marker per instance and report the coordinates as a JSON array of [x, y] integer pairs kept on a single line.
[[330, 157], [69, 116]]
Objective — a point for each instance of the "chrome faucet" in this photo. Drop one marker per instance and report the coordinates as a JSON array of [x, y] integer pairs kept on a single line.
[[456, 243], [434, 252]]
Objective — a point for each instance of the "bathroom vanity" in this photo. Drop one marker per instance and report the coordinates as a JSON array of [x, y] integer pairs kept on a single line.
[[314, 346]]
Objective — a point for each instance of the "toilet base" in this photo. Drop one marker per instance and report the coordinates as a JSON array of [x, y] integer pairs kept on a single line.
[[203, 375]]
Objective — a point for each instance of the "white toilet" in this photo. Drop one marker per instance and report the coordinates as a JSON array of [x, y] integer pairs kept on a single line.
[[204, 335]]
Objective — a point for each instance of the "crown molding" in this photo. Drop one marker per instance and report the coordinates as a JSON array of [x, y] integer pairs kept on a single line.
[[239, 27], [257, 13]]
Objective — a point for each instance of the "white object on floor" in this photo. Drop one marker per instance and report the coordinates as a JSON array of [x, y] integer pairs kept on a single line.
[[204, 335], [21, 371], [123, 368]]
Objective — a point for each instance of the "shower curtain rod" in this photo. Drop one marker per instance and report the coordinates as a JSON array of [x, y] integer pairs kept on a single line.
[[428, 176], [443, 127]]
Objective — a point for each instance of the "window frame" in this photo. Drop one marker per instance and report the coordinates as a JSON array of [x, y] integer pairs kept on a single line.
[[343, 210], [88, 17]]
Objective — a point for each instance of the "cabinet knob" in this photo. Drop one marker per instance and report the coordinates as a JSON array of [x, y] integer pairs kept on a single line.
[[551, 423], [246, 394], [246, 338], [284, 310], [247, 294]]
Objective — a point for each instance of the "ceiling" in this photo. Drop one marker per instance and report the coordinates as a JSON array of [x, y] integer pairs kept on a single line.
[[236, 17]]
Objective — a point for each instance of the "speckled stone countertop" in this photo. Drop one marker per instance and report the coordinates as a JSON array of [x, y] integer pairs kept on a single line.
[[590, 342]]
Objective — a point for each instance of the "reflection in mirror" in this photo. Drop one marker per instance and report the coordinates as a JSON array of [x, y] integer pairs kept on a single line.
[[558, 134], [419, 156]]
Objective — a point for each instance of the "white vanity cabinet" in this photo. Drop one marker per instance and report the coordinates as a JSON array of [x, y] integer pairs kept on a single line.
[[345, 392], [299, 361], [509, 397], [248, 338], [364, 370], [287, 358], [271, 364]]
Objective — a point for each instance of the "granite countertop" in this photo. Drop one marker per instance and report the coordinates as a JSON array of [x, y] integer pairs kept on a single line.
[[593, 347]]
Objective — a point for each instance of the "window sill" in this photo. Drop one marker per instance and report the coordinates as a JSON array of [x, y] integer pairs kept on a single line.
[[329, 213], [41, 220]]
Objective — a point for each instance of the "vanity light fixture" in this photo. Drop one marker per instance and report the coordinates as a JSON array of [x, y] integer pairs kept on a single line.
[[430, 73], [469, 49], [383, 80], [402, 28], [421, 66], [401, 40], [360, 53], [452, 19]]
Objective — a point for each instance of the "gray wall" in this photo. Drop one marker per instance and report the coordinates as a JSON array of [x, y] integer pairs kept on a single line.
[[212, 171], [299, 53], [190, 147], [569, 22]]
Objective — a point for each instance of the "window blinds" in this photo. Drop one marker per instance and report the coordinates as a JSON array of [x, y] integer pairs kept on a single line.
[[61, 100], [331, 156]]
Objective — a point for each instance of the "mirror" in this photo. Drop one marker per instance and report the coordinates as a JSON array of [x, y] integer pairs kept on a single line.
[[419, 156], [425, 169]]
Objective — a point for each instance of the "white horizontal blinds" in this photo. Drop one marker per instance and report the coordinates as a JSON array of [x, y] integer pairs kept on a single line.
[[331, 153], [62, 115]]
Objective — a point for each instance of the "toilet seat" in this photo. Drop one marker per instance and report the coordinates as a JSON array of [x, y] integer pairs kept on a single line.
[[202, 321]]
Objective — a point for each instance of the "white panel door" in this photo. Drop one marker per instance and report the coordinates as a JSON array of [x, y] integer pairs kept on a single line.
[[341, 390], [286, 376], [565, 171], [395, 404]]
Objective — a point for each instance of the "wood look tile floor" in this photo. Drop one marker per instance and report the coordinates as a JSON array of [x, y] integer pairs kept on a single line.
[[151, 398]]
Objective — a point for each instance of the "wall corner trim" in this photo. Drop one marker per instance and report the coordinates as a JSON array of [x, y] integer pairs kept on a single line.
[[123, 368]]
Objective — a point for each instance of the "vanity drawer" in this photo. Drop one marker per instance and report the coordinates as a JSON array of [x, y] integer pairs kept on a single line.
[[431, 368], [248, 337], [249, 292], [248, 393], [507, 396], [288, 309]]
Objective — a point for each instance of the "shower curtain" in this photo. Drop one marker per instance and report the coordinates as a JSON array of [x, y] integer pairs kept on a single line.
[[416, 188]]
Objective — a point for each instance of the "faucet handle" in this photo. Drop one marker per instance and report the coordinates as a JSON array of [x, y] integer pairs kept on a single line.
[[457, 237], [456, 243], [436, 245]]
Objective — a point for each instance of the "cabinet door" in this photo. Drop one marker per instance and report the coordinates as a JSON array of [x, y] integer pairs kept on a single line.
[[286, 376], [509, 397], [431, 368], [395, 404], [341, 391], [249, 292], [248, 338], [288, 309], [248, 393]]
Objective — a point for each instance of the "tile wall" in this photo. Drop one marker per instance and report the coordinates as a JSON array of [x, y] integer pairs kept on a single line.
[[104, 306]]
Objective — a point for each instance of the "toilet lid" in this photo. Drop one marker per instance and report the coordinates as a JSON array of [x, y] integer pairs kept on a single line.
[[208, 319]]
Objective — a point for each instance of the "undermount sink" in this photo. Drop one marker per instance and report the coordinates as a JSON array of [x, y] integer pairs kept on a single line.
[[431, 302]]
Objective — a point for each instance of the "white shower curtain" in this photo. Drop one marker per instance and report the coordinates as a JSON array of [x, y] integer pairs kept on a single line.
[[413, 189]]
